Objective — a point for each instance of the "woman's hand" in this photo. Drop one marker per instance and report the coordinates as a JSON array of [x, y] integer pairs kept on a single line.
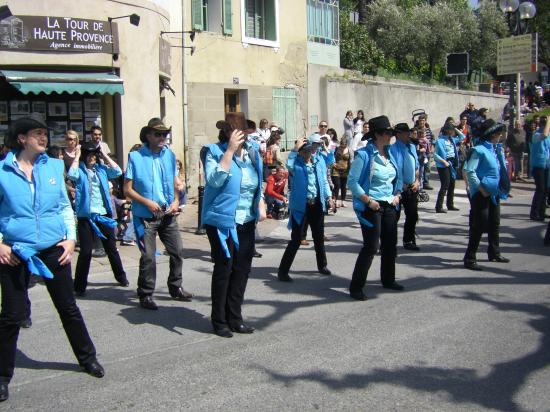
[[68, 249], [236, 140], [396, 199], [300, 143], [7, 257], [445, 163], [374, 205], [262, 211]]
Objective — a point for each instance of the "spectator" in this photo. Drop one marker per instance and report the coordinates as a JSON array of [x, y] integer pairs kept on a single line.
[[275, 192]]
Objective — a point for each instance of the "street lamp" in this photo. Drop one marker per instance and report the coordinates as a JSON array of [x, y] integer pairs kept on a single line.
[[518, 15]]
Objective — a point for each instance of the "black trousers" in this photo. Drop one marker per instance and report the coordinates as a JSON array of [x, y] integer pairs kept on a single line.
[[484, 217], [538, 205], [409, 202], [14, 281], [340, 187], [230, 275], [383, 235], [316, 219], [447, 187], [86, 235]]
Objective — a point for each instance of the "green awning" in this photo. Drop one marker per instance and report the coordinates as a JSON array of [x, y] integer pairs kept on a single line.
[[63, 82]]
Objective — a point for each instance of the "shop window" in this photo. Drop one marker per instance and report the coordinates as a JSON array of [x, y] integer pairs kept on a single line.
[[61, 111], [260, 22], [212, 15], [284, 114], [322, 22]]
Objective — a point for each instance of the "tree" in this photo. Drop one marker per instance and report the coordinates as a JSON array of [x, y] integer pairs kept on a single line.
[[357, 50], [445, 28], [492, 26], [541, 24]]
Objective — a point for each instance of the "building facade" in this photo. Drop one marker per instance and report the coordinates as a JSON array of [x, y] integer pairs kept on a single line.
[[86, 62], [250, 56]]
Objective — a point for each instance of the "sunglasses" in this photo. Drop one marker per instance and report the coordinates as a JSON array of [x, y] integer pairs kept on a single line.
[[160, 134], [323, 125]]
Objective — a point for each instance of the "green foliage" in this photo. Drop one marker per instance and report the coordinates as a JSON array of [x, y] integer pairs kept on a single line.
[[414, 37], [357, 50], [541, 24]]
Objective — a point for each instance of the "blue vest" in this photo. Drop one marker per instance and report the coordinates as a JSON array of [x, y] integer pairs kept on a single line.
[[441, 150], [83, 190], [298, 179], [491, 175], [142, 162], [367, 154], [538, 156], [37, 225], [399, 151], [220, 203]]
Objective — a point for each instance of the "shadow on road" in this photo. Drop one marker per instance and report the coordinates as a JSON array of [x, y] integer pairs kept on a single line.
[[495, 390]]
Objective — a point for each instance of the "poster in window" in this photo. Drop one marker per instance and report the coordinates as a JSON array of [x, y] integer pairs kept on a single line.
[[40, 108], [92, 105], [57, 109], [3, 111], [77, 127], [75, 110], [19, 107], [57, 132], [92, 121], [3, 132]]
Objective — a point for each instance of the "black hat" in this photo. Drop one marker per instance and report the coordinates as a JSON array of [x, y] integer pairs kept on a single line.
[[88, 148], [379, 124], [402, 127], [489, 127], [24, 124]]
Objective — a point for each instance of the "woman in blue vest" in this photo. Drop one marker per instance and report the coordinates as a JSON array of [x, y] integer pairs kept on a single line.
[[488, 182], [37, 236], [446, 160], [539, 159], [90, 173], [308, 201], [375, 182], [233, 205]]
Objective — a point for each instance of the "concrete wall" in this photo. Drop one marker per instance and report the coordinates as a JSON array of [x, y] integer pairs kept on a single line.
[[331, 94], [138, 60]]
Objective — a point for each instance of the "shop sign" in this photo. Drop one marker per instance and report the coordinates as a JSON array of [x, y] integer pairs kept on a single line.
[[164, 56], [59, 34]]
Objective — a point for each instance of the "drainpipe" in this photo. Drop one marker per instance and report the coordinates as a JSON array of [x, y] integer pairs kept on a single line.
[[184, 97]]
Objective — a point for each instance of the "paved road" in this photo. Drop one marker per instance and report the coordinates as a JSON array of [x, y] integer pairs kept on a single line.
[[453, 340]]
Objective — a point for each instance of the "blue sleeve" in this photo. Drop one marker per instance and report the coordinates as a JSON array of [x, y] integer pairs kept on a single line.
[[290, 161], [113, 172], [215, 174], [74, 174], [129, 169], [354, 175], [437, 153], [470, 169], [68, 215]]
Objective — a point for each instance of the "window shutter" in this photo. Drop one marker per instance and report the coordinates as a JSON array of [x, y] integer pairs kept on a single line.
[[250, 6], [196, 15], [227, 18], [270, 20]]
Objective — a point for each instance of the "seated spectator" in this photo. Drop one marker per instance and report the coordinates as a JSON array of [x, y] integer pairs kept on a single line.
[[274, 192]]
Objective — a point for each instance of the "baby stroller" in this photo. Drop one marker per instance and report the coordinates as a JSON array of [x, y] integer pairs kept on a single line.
[[423, 196]]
